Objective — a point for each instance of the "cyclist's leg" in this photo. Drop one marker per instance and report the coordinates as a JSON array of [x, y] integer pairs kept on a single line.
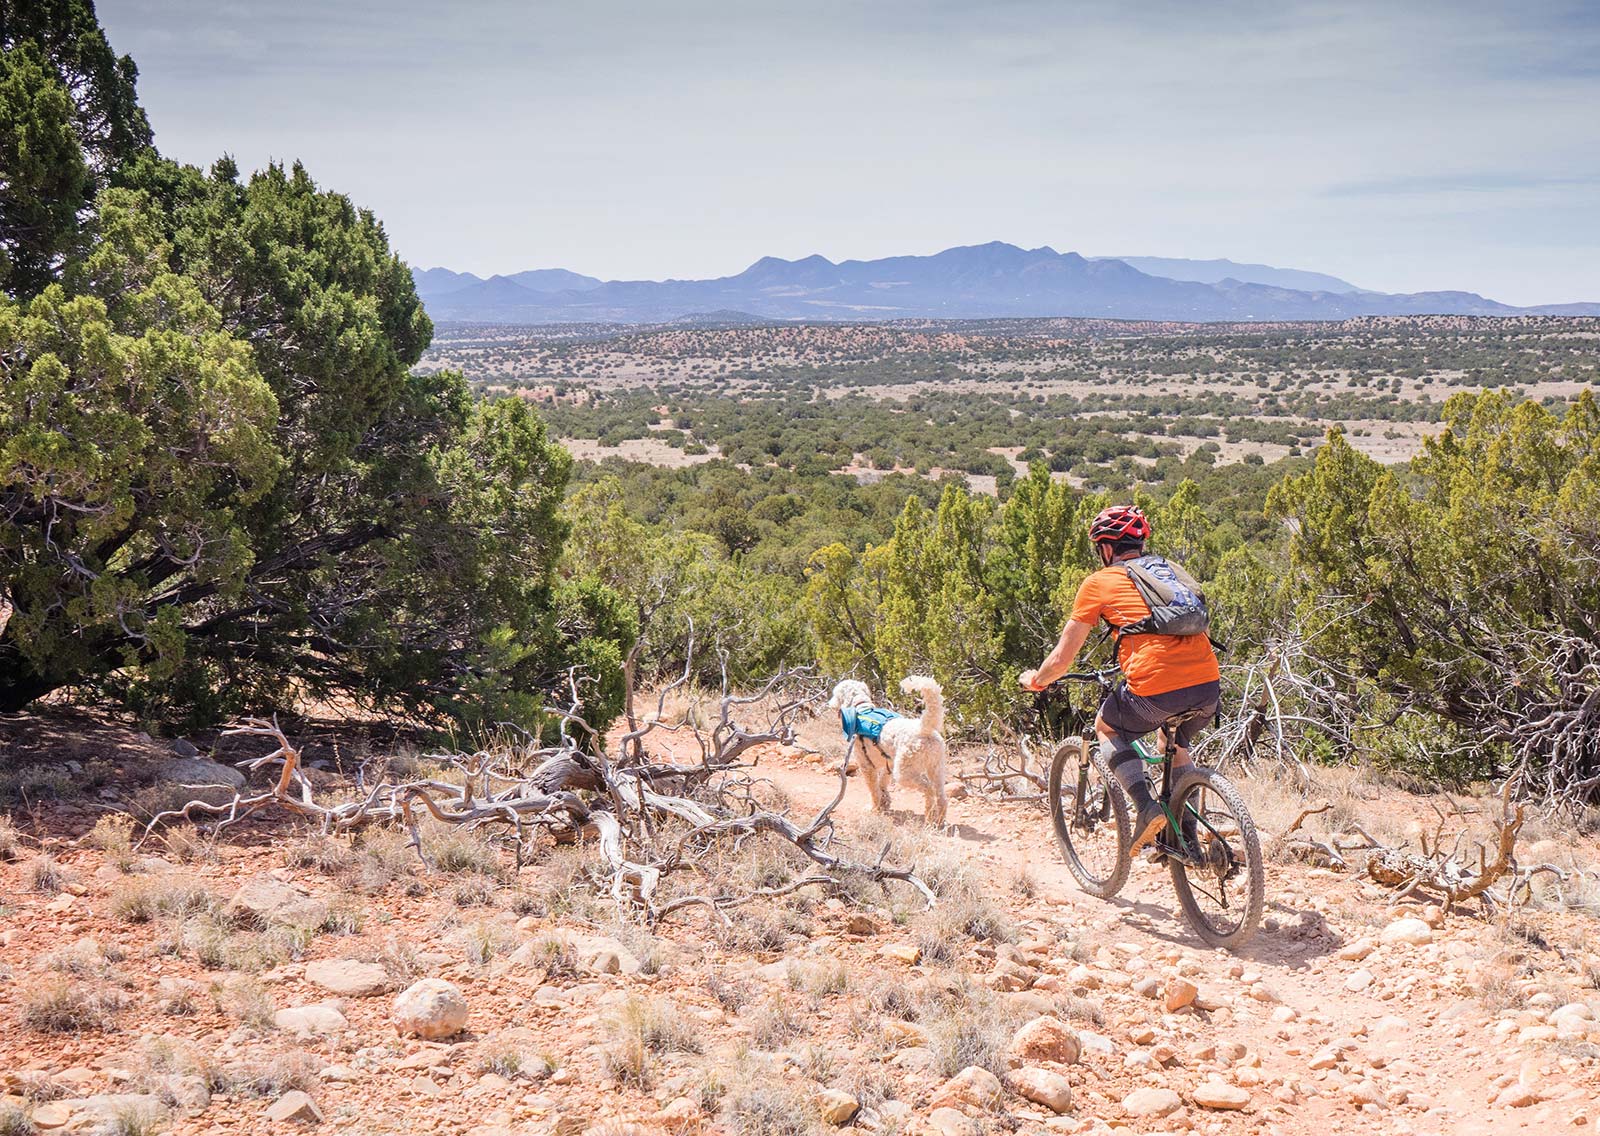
[[1119, 724]]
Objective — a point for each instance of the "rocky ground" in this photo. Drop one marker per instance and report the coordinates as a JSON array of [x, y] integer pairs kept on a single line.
[[275, 980]]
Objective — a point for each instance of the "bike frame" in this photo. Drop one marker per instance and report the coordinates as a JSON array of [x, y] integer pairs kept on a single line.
[[1106, 679]]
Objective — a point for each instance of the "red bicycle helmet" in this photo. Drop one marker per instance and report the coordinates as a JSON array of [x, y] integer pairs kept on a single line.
[[1120, 522]]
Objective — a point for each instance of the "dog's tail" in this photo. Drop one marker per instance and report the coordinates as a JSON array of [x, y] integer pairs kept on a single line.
[[932, 720]]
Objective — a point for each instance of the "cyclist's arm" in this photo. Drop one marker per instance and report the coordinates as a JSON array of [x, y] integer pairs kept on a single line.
[[1059, 661]]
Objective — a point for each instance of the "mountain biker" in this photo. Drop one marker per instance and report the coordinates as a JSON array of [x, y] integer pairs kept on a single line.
[[1167, 675]]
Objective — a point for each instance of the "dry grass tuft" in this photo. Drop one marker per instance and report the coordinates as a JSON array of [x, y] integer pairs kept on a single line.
[[773, 1023], [272, 1075], [16, 1121], [83, 959], [142, 900], [45, 876], [188, 845], [763, 1107], [70, 1007], [465, 853], [10, 840], [638, 1032], [320, 852], [246, 1000]]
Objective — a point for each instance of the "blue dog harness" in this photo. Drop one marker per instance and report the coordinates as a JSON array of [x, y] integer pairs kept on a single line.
[[865, 722]]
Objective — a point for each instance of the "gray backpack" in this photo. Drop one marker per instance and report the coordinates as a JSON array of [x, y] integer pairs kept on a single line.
[[1177, 605]]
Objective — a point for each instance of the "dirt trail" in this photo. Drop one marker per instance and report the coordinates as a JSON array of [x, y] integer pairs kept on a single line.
[[1408, 1049]]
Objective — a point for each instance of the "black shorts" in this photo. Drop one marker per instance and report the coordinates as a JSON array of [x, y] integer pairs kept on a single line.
[[1135, 715]]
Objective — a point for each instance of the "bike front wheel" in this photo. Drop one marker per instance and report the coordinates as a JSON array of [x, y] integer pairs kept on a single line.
[[1090, 813], [1222, 886]]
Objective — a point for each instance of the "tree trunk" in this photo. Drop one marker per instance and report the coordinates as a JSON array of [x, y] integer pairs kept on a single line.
[[20, 684]]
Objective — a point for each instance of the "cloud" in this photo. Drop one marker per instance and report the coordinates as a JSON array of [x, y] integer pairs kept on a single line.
[[629, 138]]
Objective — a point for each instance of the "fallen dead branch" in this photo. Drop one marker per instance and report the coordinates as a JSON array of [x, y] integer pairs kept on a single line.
[[1455, 876], [648, 818]]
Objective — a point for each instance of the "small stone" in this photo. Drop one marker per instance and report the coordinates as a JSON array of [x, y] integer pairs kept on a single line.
[[973, 1086], [1358, 950], [348, 977], [1151, 1102], [310, 1021], [861, 924], [908, 953], [430, 1008], [1220, 1095], [1358, 981], [837, 1107], [294, 1106], [952, 1122], [1413, 931], [1180, 992], [680, 1108], [51, 1114], [1041, 1086], [1047, 1039]]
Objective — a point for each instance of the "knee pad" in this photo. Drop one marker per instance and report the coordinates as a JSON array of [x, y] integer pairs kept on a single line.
[[1126, 764]]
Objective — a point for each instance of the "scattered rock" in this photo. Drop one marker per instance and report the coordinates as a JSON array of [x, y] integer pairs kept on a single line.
[[915, 1059], [348, 977], [1047, 1039], [974, 1086], [430, 1008], [1180, 992], [908, 953], [861, 924], [1413, 931], [1151, 1102], [1041, 1086], [51, 1115], [1008, 975], [310, 1021], [837, 1107], [1358, 950], [952, 1122], [296, 1107], [264, 900], [1358, 981], [192, 771], [1220, 1095]]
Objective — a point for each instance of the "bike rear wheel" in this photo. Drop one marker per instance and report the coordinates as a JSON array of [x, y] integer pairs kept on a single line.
[[1224, 893], [1090, 813]]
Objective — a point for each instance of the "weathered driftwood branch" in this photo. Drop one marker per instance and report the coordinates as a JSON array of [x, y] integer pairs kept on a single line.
[[1447, 876], [648, 818]]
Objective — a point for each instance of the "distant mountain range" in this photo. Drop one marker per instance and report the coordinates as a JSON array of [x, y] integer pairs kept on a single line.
[[989, 281], [1216, 271]]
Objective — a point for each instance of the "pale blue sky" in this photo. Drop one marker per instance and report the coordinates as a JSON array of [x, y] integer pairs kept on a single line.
[[1401, 146]]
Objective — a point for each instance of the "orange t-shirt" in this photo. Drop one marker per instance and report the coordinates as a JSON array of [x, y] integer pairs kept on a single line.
[[1154, 664]]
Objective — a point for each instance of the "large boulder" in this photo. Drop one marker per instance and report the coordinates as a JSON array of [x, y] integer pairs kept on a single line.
[[430, 1008], [196, 778]]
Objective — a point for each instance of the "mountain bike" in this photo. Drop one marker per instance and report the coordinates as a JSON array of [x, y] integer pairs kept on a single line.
[[1210, 843]]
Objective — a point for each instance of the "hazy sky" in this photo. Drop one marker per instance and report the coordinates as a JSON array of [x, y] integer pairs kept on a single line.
[[1403, 146]]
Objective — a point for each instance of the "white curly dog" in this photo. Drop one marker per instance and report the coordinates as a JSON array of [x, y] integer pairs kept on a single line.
[[910, 751]]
